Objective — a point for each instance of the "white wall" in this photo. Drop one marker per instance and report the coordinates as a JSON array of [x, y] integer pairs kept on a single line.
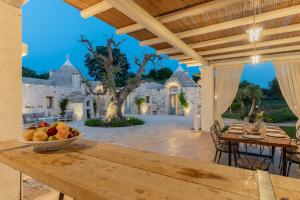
[[34, 98], [10, 90]]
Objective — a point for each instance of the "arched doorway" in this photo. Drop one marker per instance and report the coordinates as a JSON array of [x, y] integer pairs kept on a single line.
[[174, 102]]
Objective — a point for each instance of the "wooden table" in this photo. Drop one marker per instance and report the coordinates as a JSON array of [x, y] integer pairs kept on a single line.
[[267, 141], [89, 170]]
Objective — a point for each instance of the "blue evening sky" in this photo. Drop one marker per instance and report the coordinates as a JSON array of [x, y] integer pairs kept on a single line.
[[51, 28]]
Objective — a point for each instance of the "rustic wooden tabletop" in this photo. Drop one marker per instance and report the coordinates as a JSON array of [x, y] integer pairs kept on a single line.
[[89, 170]]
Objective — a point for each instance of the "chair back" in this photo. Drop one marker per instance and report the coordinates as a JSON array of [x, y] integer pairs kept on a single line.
[[253, 157], [215, 132]]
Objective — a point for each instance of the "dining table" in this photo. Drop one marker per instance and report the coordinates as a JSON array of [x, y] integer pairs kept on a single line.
[[91, 170], [272, 136]]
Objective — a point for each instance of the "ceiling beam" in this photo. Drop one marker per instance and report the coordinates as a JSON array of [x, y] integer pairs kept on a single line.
[[235, 38], [16, 3], [95, 9], [258, 52], [231, 24], [188, 12], [267, 58], [138, 14], [251, 46]]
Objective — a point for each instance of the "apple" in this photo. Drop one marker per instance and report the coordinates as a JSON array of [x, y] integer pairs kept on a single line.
[[52, 131]]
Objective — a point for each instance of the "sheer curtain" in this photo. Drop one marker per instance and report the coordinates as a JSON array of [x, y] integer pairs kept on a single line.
[[226, 87], [288, 76]]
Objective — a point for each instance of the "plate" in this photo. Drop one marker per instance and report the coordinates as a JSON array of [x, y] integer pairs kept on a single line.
[[235, 131], [236, 127], [273, 130], [51, 145], [278, 135], [271, 127], [253, 136]]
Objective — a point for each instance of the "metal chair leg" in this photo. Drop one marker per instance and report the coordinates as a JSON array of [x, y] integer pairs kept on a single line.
[[216, 154], [220, 154], [288, 168], [21, 187], [61, 196]]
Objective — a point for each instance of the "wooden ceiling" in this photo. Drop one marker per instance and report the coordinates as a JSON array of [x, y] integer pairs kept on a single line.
[[213, 29]]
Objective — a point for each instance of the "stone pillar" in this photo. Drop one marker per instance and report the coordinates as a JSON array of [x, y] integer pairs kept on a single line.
[[10, 88], [207, 97]]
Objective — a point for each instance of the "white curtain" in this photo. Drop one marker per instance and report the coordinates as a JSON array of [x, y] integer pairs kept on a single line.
[[288, 76], [226, 87]]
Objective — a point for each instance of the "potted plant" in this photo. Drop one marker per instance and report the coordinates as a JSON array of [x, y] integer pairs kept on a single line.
[[139, 102], [183, 102]]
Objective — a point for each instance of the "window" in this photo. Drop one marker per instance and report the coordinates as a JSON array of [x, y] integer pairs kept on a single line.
[[88, 103], [147, 99], [49, 102]]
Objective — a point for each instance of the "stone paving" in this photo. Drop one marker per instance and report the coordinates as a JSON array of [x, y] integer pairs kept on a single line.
[[171, 135]]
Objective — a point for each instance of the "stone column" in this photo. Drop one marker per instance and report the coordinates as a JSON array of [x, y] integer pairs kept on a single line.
[[207, 97], [10, 88]]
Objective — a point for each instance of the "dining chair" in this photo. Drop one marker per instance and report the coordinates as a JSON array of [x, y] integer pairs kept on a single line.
[[256, 157], [221, 146], [289, 150]]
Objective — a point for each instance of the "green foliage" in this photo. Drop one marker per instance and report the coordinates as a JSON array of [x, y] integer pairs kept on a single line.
[[30, 73], [274, 90], [97, 71], [161, 75], [63, 104], [269, 100], [182, 100], [139, 101], [94, 123], [124, 122], [277, 116], [290, 130]]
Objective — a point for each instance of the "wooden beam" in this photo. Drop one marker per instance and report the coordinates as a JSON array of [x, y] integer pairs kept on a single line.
[[235, 38], [266, 58], [16, 3], [188, 12], [231, 24], [138, 14], [180, 57], [188, 61], [251, 46], [258, 52], [95, 9]]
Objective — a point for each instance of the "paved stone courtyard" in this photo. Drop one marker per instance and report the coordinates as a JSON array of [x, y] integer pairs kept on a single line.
[[171, 135]]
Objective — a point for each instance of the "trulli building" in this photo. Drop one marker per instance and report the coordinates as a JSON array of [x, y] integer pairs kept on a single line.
[[164, 99], [44, 96]]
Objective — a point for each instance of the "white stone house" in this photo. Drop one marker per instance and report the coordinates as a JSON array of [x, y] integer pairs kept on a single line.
[[164, 99], [44, 95]]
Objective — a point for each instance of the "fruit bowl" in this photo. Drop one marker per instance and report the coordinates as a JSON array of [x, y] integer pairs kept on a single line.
[[48, 137], [51, 145]]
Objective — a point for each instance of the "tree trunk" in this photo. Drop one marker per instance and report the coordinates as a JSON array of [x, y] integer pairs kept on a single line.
[[114, 108], [252, 106]]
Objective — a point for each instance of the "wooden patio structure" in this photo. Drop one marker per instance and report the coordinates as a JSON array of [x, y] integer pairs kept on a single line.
[[204, 32]]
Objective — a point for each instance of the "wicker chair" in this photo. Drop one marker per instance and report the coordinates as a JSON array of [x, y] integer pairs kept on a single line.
[[255, 158], [220, 145], [291, 150]]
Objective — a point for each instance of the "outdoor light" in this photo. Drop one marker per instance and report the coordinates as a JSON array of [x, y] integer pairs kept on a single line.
[[254, 34], [255, 59]]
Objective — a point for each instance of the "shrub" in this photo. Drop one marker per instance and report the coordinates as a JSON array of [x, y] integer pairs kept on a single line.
[[135, 121], [130, 121], [277, 116], [94, 122]]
